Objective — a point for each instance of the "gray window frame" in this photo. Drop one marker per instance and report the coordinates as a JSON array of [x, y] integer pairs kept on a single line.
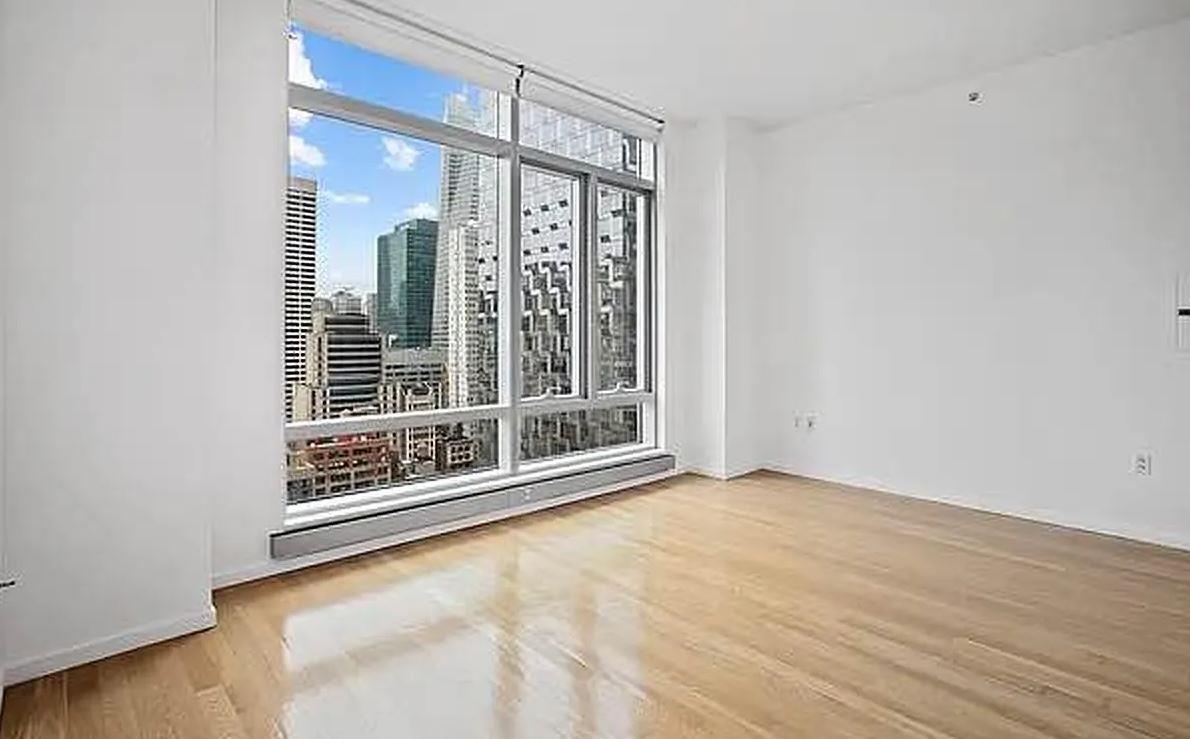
[[511, 408]]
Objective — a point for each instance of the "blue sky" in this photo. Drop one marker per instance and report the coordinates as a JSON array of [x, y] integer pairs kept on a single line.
[[368, 180]]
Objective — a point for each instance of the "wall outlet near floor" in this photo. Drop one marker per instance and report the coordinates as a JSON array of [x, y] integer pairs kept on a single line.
[[811, 421], [1142, 464], [1182, 311]]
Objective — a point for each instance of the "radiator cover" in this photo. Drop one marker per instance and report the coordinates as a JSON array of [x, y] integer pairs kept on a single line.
[[323, 537]]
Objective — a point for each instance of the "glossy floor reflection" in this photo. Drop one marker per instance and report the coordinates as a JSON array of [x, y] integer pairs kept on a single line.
[[766, 606]]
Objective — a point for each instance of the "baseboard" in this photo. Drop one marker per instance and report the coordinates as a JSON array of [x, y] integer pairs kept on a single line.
[[722, 476], [279, 567], [107, 647], [701, 471], [743, 470], [1043, 517]]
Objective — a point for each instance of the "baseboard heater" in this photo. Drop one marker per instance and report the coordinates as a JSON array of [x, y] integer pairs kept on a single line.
[[322, 537]]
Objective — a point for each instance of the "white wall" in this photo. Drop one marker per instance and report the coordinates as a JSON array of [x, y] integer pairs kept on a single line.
[[108, 286], [695, 311], [712, 303], [248, 489], [978, 299], [741, 274], [5, 217]]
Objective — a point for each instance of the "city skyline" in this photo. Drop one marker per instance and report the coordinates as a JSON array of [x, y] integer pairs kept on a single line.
[[370, 181], [417, 327]]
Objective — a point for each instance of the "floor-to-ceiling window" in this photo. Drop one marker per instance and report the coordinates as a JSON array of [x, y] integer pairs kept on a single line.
[[468, 279]]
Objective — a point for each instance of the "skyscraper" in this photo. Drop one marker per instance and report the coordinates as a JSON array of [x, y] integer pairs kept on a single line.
[[467, 285], [548, 213], [301, 200], [351, 371], [405, 279], [547, 282], [346, 302], [464, 319], [467, 276], [370, 310], [343, 378], [344, 373]]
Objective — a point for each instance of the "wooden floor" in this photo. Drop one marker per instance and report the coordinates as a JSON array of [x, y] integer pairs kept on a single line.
[[766, 606]]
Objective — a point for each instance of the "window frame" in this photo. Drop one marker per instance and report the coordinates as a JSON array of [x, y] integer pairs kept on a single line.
[[511, 408]]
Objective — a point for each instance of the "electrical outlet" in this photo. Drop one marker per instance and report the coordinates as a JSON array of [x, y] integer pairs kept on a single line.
[[797, 421], [811, 421], [1182, 311], [1142, 464], [526, 495]]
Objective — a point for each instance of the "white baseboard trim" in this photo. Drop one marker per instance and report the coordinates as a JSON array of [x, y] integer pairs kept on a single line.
[[109, 646], [1048, 518], [722, 475], [279, 567], [702, 472], [743, 470]]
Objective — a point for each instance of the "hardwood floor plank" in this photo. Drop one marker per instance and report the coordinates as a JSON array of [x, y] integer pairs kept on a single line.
[[84, 703], [220, 715], [767, 606], [19, 711], [119, 715]]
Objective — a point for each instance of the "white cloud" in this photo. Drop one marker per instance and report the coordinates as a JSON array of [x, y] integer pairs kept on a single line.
[[421, 210], [298, 118], [401, 154], [346, 198], [301, 70], [305, 153]]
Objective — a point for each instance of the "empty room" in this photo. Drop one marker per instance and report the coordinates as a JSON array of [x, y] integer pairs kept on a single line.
[[518, 369]]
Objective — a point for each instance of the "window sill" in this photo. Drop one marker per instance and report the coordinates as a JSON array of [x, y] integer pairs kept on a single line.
[[345, 508]]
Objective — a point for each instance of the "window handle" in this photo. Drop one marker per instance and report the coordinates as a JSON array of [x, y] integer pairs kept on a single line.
[[7, 584]]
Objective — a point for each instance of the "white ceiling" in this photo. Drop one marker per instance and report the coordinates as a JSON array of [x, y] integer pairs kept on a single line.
[[774, 60]]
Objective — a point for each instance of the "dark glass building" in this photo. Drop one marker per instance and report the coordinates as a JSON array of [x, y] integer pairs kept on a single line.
[[405, 262]]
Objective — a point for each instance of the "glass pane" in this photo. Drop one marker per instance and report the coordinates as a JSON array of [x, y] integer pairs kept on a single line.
[[391, 273], [337, 465], [325, 63], [622, 244], [549, 270], [555, 434], [570, 136]]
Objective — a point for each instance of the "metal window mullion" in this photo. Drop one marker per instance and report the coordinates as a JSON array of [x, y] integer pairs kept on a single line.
[[504, 320], [553, 405], [307, 430], [549, 160], [591, 230], [578, 372], [350, 110], [611, 399], [650, 409], [510, 433], [620, 398], [648, 420], [644, 297], [656, 431]]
